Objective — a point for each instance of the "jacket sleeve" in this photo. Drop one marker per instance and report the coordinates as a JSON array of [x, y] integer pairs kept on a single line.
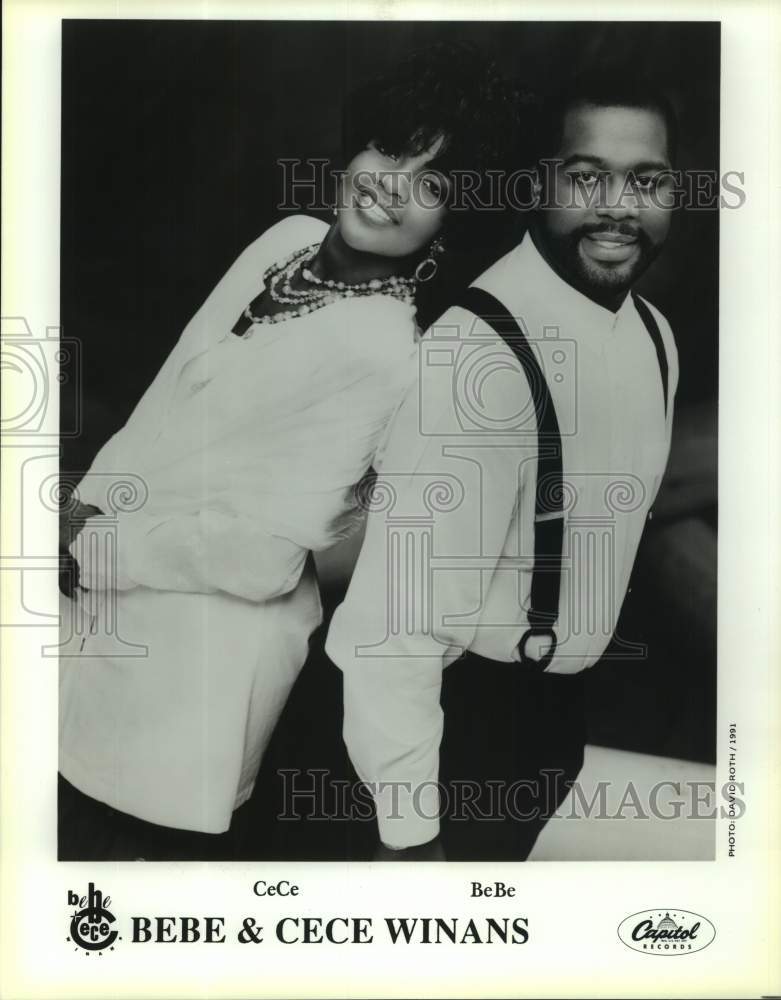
[[208, 549], [202, 552]]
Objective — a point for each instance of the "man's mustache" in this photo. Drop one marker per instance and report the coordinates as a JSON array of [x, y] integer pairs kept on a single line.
[[612, 228]]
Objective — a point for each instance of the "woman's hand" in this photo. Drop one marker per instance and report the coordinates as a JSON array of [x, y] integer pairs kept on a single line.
[[68, 574], [72, 520]]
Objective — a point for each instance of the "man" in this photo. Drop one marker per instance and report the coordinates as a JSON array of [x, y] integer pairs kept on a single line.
[[507, 520]]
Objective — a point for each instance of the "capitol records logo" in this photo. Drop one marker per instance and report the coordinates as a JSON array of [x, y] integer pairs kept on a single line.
[[666, 932], [91, 926]]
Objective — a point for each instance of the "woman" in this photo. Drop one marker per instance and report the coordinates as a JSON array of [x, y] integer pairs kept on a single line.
[[246, 448]]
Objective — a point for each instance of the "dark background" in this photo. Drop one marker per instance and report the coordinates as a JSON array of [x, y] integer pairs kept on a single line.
[[170, 135]]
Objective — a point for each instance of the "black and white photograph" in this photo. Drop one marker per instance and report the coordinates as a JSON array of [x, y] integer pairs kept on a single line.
[[400, 390], [392, 510]]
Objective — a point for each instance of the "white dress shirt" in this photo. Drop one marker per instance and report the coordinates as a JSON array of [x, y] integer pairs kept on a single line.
[[447, 558]]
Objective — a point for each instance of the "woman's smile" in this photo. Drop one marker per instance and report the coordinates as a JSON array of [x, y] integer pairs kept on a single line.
[[372, 211]]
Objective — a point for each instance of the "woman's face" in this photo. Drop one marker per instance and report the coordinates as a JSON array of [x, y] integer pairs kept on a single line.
[[390, 204]]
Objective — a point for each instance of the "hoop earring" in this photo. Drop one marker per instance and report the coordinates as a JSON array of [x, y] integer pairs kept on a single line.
[[429, 266]]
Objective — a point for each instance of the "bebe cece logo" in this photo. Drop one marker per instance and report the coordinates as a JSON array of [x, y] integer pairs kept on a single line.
[[666, 932]]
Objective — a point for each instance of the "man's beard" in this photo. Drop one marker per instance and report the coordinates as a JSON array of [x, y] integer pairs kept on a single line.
[[603, 276]]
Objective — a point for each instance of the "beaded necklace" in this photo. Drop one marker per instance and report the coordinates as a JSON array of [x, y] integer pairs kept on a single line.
[[322, 291]]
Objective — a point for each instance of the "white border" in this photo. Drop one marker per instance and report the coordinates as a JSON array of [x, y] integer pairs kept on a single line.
[[573, 908]]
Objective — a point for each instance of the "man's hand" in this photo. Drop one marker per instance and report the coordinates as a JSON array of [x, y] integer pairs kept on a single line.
[[432, 851]]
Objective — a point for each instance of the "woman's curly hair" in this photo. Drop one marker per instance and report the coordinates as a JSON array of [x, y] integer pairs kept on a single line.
[[450, 91]]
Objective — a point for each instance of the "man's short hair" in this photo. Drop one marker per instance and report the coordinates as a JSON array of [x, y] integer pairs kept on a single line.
[[603, 91]]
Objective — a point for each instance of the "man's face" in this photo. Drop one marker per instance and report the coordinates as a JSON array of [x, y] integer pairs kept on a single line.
[[606, 207]]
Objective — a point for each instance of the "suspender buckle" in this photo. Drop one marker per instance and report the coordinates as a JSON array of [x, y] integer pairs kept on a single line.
[[544, 632]]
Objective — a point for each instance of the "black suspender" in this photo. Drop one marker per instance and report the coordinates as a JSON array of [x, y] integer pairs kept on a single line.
[[543, 612], [652, 327]]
